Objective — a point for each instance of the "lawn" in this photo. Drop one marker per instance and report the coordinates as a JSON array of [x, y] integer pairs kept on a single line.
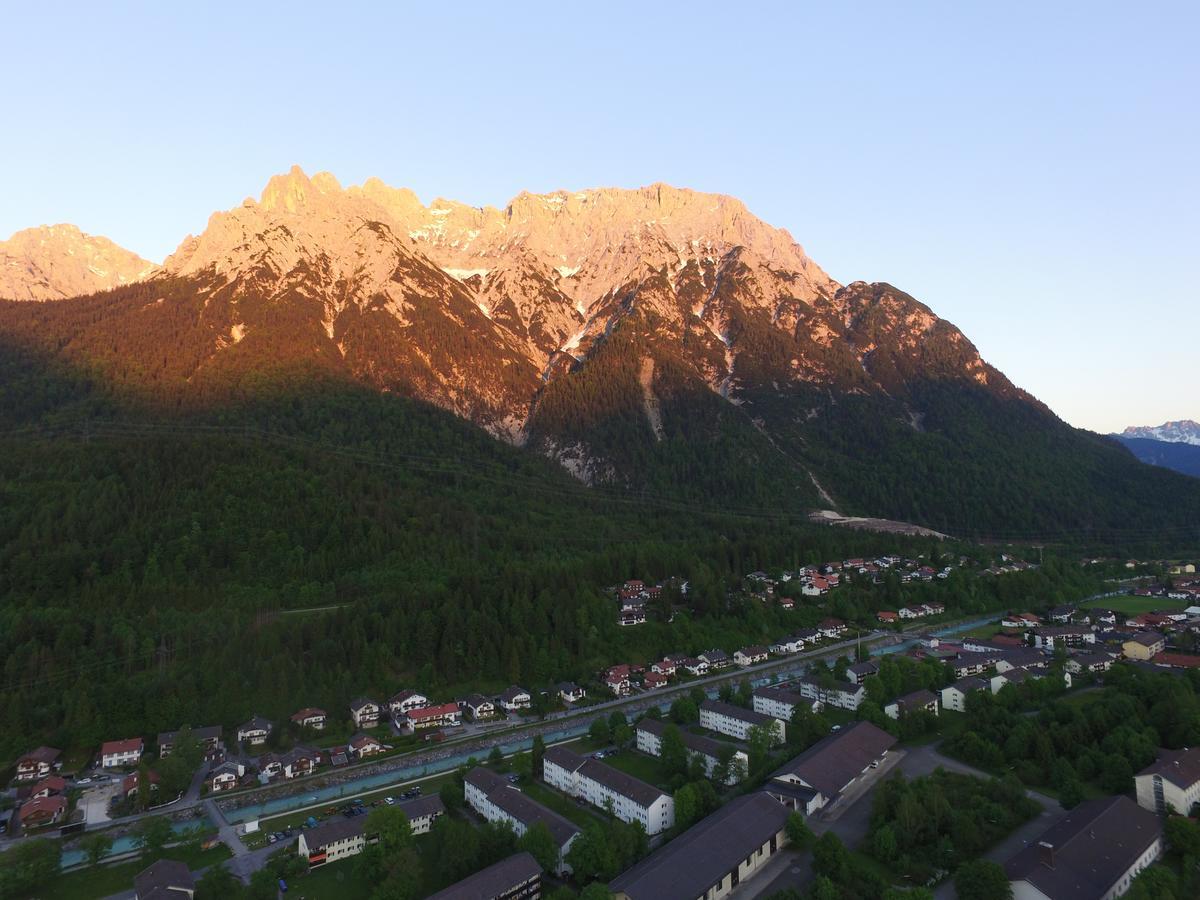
[[333, 881], [1131, 605], [563, 805], [983, 631], [90, 883], [647, 768]]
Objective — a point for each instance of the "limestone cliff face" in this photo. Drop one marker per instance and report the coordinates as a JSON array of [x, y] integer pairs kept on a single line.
[[486, 312], [56, 261]]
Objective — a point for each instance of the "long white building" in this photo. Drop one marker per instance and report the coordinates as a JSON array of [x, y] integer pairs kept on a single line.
[[498, 801], [735, 721], [779, 703], [632, 800], [649, 741]]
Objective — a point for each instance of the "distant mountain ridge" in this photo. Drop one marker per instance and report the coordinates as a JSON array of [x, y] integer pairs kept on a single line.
[[652, 339], [1176, 455], [56, 261], [1183, 431]]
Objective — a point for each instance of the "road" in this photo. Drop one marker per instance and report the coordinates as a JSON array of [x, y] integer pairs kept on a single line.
[[852, 822]]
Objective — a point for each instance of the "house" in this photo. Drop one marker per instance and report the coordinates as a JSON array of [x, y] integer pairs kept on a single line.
[[1095, 850], [716, 659], [665, 667], [1089, 662], [1144, 645], [167, 879], [819, 776], [448, 714], [631, 799], [423, 812], [570, 692], [632, 615], [966, 663], [42, 811], [519, 877], [1020, 620], [225, 777], [366, 713], [617, 679], [515, 698], [1171, 782], [310, 717], [839, 694], [887, 616], [209, 739], [831, 628], [255, 731], [48, 787], [478, 707], [955, 696], [335, 839], [788, 645], [1021, 658], [911, 612], [725, 718], [404, 702], [37, 763], [498, 801], [860, 672], [132, 782], [695, 666], [649, 741], [1062, 613], [300, 761], [363, 745], [917, 701], [710, 859], [780, 703], [653, 681], [1052, 636], [114, 754], [750, 656]]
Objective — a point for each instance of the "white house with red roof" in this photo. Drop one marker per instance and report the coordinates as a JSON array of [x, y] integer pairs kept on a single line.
[[115, 754]]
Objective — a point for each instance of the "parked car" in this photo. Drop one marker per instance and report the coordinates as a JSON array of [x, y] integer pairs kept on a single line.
[[271, 839], [390, 801]]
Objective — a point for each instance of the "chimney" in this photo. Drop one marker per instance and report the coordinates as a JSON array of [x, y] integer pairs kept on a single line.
[[1046, 854]]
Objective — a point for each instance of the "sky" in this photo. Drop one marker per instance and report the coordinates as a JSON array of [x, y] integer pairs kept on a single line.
[[1028, 170]]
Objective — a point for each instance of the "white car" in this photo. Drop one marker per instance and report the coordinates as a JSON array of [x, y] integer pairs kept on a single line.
[[390, 801], [83, 781]]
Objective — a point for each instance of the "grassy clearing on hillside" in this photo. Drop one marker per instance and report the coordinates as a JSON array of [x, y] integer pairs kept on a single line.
[[1131, 605]]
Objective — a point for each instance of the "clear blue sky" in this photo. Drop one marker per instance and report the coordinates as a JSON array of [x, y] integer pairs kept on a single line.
[[1028, 170]]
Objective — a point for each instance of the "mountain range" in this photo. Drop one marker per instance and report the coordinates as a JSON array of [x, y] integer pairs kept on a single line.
[[1184, 431], [659, 340]]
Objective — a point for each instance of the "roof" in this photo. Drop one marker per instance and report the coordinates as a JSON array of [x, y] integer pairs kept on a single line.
[[708, 851], [970, 683], [1180, 767], [867, 667], [1092, 846], [783, 696], [207, 733], [1146, 638], [423, 806], [643, 794], [126, 746], [405, 695], [309, 712], [256, 723], [157, 879], [493, 881], [513, 693], [919, 698], [833, 762], [754, 650], [362, 703], [430, 712], [844, 687], [561, 756], [56, 784], [53, 804], [43, 755], [1178, 660], [336, 829], [519, 806], [737, 712], [697, 743]]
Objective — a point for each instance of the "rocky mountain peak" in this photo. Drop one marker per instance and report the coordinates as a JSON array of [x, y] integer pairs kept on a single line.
[[52, 262]]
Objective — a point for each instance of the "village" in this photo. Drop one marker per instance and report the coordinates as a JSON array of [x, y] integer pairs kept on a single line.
[[725, 733]]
